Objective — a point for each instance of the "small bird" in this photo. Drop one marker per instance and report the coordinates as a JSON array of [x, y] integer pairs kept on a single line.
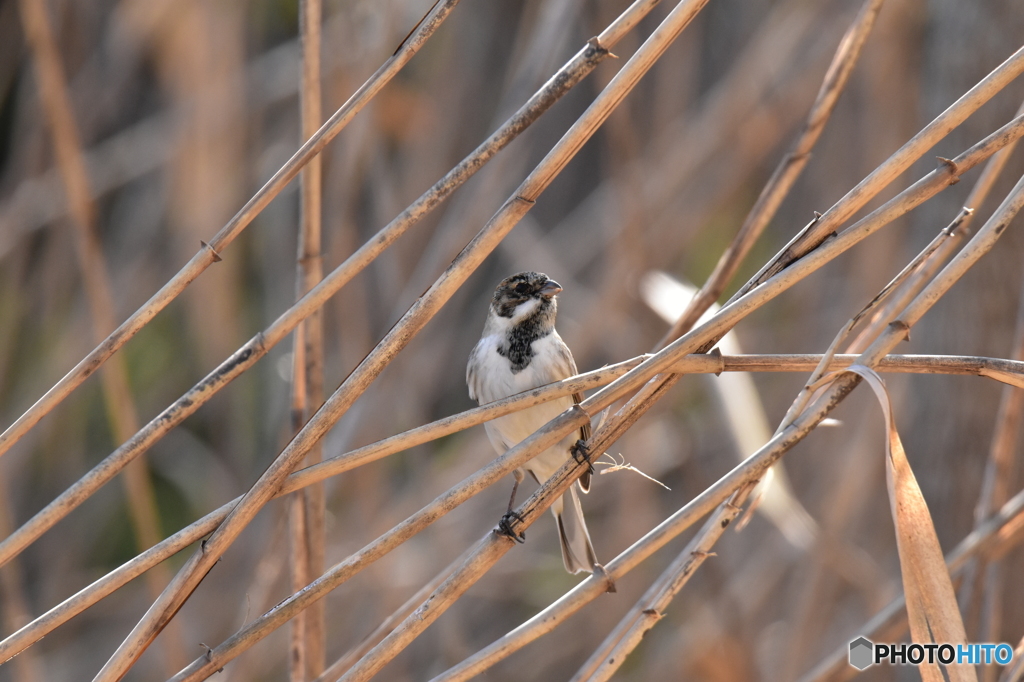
[[520, 350]]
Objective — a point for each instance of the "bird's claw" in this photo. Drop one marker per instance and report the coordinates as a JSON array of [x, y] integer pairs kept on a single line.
[[581, 454], [505, 526]]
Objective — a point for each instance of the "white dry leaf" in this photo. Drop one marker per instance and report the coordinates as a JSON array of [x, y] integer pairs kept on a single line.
[[744, 413]]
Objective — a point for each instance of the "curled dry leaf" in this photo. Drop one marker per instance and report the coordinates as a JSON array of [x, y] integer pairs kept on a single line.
[[931, 602]]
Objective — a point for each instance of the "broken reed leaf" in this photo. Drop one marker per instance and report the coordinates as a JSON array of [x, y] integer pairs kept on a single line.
[[623, 465], [1005, 377], [931, 601]]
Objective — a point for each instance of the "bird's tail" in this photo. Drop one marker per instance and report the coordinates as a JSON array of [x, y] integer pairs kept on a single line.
[[577, 550]]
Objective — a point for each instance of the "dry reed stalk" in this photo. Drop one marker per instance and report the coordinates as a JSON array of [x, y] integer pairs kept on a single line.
[[755, 465], [412, 322], [983, 539], [989, 538], [496, 543], [339, 573], [702, 338], [982, 585], [650, 608], [979, 245], [106, 585], [785, 174], [567, 77], [998, 369], [999, 467], [896, 331], [120, 405], [893, 298], [419, 314], [15, 610], [210, 253], [939, 251], [657, 364], [308, 506], [820, 228], [337, 668]]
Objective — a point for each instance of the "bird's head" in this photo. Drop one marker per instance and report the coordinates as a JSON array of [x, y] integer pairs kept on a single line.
[[523, 296]]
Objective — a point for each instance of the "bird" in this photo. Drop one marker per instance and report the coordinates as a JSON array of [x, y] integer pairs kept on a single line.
[[520, 350]]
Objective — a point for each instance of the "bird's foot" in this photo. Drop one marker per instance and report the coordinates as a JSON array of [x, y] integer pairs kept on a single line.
[[580, 453], [505, 526]]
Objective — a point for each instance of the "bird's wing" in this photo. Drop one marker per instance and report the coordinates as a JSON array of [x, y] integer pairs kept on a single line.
[[473, 370], [565, 368]]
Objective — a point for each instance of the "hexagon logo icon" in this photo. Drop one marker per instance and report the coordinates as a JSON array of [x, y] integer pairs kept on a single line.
[[861, 653]]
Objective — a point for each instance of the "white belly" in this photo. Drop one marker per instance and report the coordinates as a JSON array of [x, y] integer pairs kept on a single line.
[[495, 380]]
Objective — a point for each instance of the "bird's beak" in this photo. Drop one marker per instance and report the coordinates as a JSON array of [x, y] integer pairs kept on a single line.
[[550, 289]]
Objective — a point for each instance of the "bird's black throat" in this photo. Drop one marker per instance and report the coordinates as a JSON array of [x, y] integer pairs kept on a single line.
[[518, 343]]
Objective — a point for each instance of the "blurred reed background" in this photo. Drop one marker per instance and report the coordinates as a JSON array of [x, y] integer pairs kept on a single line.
[[184, 109]]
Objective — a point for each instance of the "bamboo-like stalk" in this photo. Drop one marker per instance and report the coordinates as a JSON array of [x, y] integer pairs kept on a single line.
[[893, 335], [657, 364], [992, 538], [895, 332], [941, 249], [985, 538], [14, 611], [107, 584], [119, 403], [702, 338], [210, 253], [242, 359], [307, 655], [819, 229], [785, 174], [982, 583], [892, 300], [1002, 370], [650, 608], [496, 543], [978, 598], [412, 322], [336, 669], [726, 318]]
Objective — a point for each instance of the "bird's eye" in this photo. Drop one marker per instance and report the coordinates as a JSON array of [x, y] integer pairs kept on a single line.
[[522, 288]]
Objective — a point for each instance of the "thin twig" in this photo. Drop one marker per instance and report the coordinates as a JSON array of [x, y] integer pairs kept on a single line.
[[983, 583], [15, 610], [412, 322], [337, 668], [693, 364], [785, 174], [120, 405], [258, 346], [210, 252], [492, 233], [650, 608], [307, 507], [820, 229], [994, 537]]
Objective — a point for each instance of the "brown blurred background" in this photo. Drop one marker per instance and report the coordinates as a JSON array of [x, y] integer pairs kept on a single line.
[[185, 108]]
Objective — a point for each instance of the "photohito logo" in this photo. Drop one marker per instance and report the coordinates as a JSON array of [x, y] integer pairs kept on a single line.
[[864, 653]]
